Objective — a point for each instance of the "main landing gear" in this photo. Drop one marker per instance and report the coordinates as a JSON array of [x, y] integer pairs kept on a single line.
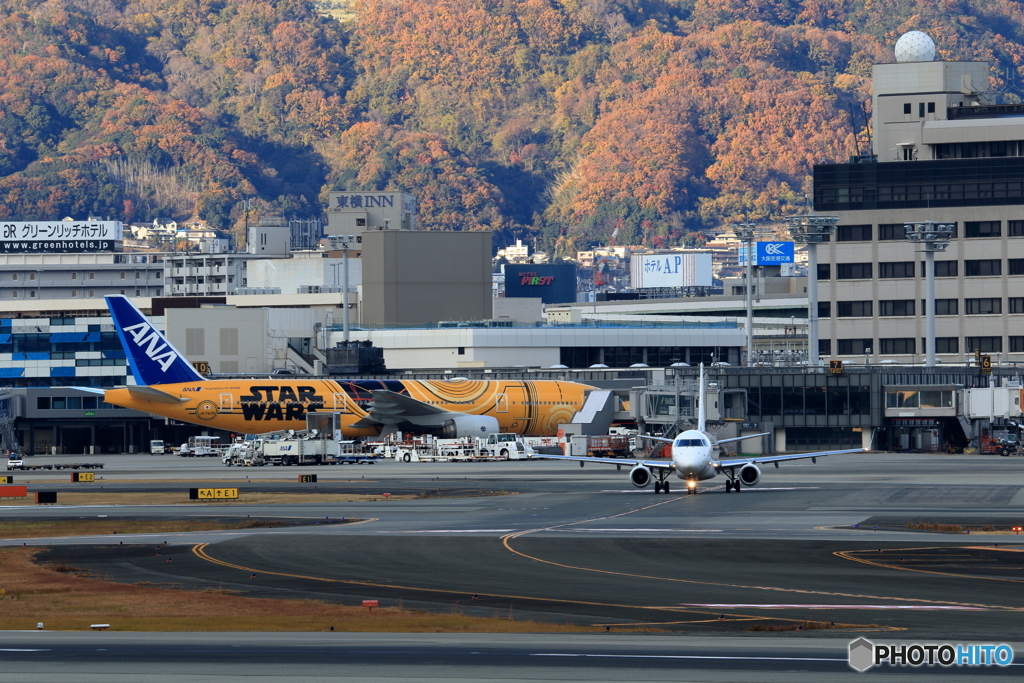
[[732, 486], [660, 486]]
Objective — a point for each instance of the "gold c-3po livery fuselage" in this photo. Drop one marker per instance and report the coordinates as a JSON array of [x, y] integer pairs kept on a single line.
[[167, 385]]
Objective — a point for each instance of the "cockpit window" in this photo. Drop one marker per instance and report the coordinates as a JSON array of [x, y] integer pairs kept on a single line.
[[691, 443]]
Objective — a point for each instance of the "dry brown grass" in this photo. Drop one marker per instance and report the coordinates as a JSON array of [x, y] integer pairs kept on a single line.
[[960, 528], [67, 599], [96, 527], [808, 626], [101, 497]]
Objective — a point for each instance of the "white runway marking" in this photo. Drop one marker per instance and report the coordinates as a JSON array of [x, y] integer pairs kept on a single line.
[[724, 657], [451, 531], [796, 606], [660, 531]]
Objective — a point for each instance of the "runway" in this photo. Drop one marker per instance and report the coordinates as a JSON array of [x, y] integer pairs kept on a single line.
[[576, 545]]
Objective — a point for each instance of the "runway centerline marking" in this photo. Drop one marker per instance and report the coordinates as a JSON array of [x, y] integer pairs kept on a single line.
[[506, 542]]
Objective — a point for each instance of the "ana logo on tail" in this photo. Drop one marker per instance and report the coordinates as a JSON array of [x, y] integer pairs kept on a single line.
[[158, 351]]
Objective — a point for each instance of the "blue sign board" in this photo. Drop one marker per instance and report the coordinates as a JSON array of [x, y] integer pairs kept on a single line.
[[769, 253]]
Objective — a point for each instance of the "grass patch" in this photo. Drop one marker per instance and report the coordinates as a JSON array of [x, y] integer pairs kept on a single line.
[[66, 602], [94, 527]]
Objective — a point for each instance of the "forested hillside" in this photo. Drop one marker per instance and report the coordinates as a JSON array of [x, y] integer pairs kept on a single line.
[[565, 119]]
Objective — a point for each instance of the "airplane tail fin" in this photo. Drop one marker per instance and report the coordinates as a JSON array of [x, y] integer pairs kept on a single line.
[[702, 413], [151, 357]]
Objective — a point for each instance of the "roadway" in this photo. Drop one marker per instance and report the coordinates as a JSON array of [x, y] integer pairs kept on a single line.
[[579, 545]]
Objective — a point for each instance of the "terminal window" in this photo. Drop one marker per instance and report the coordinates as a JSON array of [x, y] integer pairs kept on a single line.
[[896, 269], [896, 307], [853, 309], [942, 306], [1015, 304], [986, 306], [853, 347], [942, 345], [942, 269], [892, 231], [984, 344], [853, 233], [913, 398], [982, 267], [1015, 228], [853, 271], [1017, 344], [896, 345], [1015, 266], [983, 228]]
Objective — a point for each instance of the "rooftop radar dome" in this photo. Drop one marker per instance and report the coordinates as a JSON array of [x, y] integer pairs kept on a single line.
[[915, 47]]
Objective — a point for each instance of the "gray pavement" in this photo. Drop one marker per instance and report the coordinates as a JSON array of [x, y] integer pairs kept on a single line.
[[580, 545]]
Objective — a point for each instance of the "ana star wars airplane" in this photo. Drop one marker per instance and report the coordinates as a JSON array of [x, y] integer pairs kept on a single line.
[[168, 386], [693, 461]]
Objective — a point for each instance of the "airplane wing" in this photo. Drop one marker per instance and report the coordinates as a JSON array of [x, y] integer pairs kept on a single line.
[[654, 438], [662, 465], [741, 438], [389, 407], [770, 459]]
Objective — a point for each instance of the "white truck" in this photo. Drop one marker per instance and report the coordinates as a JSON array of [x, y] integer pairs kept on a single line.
[[503, 446], [156, 447]]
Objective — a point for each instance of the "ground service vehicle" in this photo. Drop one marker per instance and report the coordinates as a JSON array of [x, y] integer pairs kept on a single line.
[[505, 446], [18, 464], [156, 447], [200, 447]]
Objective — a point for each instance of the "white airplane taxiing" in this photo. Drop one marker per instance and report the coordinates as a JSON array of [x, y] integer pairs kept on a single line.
[[693, 459]]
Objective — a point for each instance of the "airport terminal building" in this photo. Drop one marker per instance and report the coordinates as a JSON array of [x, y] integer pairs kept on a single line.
[[942, 152]]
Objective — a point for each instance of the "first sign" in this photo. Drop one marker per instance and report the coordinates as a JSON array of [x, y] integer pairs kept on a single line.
[[213, 494]]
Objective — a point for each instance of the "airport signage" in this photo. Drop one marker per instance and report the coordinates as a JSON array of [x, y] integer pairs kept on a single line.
[[60, 236], [769, 253], [554, 283], [670, 270], [213, 494], [83, 476]]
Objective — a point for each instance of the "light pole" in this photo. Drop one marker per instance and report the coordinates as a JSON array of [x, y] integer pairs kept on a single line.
[[812, 230], [343, 242], [745, 232], [934, 237]]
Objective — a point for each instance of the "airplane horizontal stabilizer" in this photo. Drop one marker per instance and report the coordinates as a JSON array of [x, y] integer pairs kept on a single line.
[[154, 395]]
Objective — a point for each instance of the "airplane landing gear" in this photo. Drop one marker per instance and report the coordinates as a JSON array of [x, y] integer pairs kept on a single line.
[[657, 487], [664, 487], [728, 486]]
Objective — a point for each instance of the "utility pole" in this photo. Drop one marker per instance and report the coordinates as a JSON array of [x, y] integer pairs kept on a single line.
[[934, 237], [745, 232], [812, 230], [344, 243]]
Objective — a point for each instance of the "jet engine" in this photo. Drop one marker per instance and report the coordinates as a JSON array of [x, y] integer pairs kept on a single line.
[[469, 425], [640, 476], [750, 475]]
